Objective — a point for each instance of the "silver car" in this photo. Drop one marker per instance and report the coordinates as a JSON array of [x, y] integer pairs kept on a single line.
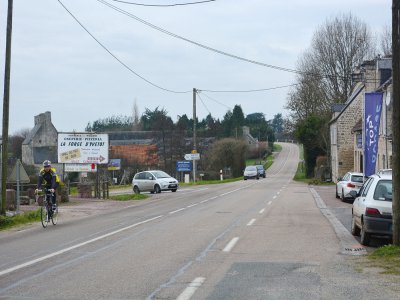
[[251, 172], [153, 181]]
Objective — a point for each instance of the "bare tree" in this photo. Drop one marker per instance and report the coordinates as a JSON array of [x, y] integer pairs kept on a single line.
[[337, 48], [135, 116], [386, 41]]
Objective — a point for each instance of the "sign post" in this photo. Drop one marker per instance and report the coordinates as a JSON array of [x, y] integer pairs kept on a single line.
[[193, 157]]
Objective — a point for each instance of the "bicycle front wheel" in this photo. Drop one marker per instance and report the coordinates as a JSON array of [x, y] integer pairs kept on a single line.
[[44, 216], [54, 217]]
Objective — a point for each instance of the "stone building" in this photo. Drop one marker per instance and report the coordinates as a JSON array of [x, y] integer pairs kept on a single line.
[[346, 123], [41, 142]]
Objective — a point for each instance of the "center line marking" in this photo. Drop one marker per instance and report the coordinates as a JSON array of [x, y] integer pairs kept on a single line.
[[262, 211], [175, 211], [269, 203], [231, 244], [191, 289], [251, 222]]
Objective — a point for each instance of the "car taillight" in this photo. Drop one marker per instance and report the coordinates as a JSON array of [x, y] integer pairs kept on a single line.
[[350, 185], [372, 212]]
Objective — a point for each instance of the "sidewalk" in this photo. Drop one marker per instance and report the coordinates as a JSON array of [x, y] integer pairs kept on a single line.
[[83, 207]]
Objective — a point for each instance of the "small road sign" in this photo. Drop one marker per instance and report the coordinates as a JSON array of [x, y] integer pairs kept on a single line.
[[192, 156]]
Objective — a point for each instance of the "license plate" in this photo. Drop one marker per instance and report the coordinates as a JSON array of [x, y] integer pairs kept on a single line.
[[172, 185]]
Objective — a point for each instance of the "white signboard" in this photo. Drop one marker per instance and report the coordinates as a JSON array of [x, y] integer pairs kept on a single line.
[[192, 156], [82, 148], [80, 168]]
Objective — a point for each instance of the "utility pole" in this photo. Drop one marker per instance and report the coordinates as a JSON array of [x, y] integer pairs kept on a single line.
[[194, 133], [396, 120], [6, 105]]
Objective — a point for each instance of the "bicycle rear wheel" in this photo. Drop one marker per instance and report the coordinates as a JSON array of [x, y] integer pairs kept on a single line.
[[44, 216], [54, 217]]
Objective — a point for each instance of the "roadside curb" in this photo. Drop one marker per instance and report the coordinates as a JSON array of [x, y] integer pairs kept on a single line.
[[349, 245]]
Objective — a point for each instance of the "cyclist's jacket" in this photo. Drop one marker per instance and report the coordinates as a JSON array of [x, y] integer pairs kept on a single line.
[[49, 179]]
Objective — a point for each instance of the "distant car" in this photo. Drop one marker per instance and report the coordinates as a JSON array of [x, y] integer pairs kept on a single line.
[[351, 181], [261, 170], [153, 181], [372, 208], [250, 172]]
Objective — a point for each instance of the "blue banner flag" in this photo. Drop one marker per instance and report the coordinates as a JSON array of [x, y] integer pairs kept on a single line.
[[372, 120]]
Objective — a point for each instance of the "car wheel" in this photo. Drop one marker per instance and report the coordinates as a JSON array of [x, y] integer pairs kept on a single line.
[[354, 229], [245, 178], [365, 236], [136, 190], [337, 195], [258, 177], [174, 190], [264, 176], [157, 189], [342, 196]]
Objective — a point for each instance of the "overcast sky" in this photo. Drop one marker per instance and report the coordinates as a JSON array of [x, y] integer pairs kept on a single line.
[[58, 67]]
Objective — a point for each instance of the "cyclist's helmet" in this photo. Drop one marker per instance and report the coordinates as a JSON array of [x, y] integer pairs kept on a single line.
[[46, 163]]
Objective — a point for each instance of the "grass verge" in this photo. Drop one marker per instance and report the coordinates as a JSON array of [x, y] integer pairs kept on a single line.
[[128, 197], [387, 258], [7, 222]]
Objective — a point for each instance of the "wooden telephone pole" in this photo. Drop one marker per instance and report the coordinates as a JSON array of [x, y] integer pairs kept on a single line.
[[6, 105], [396, 120]]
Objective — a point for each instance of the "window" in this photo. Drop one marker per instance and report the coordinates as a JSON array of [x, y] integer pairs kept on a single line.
[[383, 190], [366, 186]]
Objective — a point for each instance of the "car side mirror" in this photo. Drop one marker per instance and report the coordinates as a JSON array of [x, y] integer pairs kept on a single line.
[[354, 194]]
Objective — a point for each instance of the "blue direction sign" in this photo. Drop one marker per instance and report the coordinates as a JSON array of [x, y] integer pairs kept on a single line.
[[184, 166]]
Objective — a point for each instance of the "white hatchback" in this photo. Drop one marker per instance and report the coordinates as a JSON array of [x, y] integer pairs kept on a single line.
[[372, 209], [153, 181]]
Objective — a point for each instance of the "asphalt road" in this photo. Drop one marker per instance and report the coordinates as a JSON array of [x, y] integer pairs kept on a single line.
[[257, 239]]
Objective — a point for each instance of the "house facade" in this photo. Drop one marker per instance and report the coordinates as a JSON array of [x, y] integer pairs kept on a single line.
[[346, 123], [41, 142]]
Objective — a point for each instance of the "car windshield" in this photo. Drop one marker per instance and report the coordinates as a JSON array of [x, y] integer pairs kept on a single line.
[[251, 168], [357, 178], [384, 190], [260, 167], [160, 174]]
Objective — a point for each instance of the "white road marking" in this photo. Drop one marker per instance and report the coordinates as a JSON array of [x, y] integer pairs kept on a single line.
[[274, 197], [194, 204], [262, 211], [251, 222], [231, 244], [269, 203], [191, 289], [34, 261], [175, 211]]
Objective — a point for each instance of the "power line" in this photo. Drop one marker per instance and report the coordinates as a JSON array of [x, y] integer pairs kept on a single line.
[[164, 5], [215, 100], [205, 106], [250, 91], [116, 58], [213, 49]]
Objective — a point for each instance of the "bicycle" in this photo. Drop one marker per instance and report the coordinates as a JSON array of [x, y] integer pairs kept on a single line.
[[47, 213]]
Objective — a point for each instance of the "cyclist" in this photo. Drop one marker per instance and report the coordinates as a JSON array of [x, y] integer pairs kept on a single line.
[[48, 176]]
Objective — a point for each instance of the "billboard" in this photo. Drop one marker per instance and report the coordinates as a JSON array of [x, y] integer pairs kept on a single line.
[[83, 148], [114, 164]]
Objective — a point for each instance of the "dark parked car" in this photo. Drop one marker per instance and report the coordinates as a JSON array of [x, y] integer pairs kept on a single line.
[[260, 170]]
